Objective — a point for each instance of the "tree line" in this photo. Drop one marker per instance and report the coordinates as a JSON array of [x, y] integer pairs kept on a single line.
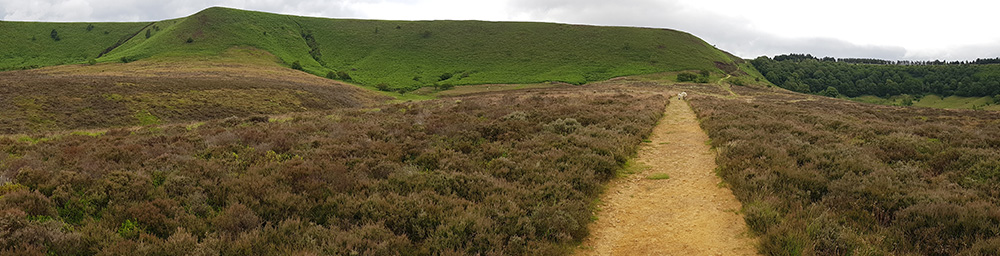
[[808, 74], [802, 57]]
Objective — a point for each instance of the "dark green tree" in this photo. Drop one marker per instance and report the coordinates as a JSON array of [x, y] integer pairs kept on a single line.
[[830, 91], [343, 75]]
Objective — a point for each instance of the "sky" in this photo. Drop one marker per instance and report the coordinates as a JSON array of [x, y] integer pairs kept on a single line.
[[885, 29]]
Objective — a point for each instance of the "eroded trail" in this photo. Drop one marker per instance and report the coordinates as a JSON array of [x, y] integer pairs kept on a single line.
[[685, 214]]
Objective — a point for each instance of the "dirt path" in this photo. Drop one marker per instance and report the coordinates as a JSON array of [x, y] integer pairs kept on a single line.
[[685, 214]]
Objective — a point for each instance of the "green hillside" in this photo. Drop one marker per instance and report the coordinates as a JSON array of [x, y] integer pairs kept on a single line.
[[26, 45], [396, 54]]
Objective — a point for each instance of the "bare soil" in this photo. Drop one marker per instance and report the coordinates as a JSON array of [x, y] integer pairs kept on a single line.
[[690, 213]]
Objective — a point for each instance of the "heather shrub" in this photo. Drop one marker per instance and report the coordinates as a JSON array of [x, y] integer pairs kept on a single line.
[[830, 177], [493, 174]]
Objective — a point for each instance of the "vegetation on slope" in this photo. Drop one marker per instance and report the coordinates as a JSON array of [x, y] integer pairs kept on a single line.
[[151, 92], [831, 177], [405, 55], [494, 174], [811, 75], [934, 101], [27, 45]]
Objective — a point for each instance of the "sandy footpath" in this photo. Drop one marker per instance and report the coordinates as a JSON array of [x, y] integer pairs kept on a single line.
[[686, 214]]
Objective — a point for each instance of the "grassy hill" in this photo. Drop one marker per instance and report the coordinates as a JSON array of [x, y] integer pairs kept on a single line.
[[402, 55], [26, 45]]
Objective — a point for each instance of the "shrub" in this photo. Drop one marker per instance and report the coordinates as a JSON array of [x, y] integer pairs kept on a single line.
[[563, 126], [189, 40], [686, 77], [129, 229], [90, 27], [737, 81], [54, 35], [296, 65], [858, 178], [343, 75], [331, 75], [445, 76], [236, 218], [493, 173], [832, 92]]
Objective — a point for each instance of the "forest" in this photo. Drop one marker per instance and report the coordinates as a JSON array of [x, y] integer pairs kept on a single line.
[[494, 174], [823, 176], [857, 77]]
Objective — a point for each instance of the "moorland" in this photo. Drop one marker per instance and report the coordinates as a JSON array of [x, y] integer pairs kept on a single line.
[[237, 132]]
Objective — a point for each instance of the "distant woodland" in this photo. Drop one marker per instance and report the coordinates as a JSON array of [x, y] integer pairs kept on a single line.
[[857, 77]]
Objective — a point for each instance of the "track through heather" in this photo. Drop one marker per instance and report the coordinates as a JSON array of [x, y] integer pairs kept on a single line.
[[688, 213]]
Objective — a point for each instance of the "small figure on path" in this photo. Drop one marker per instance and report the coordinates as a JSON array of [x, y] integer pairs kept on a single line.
[[682, 95]]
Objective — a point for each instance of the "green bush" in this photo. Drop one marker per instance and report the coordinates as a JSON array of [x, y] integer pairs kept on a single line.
[[445, 76], [686, 77], [343, 75], [831, 92], [296, 65]]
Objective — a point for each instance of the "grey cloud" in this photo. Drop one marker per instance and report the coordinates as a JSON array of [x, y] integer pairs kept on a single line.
[[143, 10], [735, 35], [967, 52]]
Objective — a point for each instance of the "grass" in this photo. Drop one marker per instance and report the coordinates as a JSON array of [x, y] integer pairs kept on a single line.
[[27, 45], [632, 167], [405, 55], [658, 176], [934, 101]]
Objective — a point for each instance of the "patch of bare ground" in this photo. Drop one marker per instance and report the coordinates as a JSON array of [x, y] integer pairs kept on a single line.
[[688, 213]]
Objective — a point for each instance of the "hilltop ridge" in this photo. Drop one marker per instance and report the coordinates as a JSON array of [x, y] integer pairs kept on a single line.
[[398, 54]]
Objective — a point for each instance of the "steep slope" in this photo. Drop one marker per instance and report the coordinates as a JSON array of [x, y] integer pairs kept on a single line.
[[412, 54], [26, 45]]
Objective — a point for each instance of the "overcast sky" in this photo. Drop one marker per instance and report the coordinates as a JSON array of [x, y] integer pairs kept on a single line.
[[887, 29]]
